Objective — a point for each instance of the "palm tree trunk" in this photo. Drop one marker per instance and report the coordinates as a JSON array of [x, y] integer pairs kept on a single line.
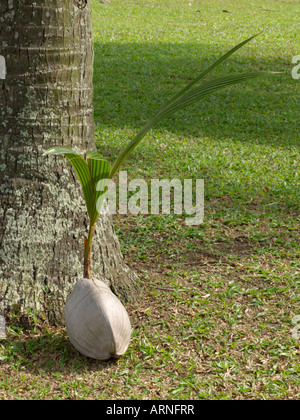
[[46, 100]]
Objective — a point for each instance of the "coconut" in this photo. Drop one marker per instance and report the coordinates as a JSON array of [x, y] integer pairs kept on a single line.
[[97, 322]]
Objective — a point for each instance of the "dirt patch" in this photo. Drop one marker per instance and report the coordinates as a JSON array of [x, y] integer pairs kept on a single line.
[[239, 246]]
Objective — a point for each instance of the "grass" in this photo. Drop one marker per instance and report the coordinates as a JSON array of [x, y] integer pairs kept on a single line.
[[214, 320]]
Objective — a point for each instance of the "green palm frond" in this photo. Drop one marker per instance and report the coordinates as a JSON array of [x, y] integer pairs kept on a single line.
[[96, 172], [82, 170], [89, 174], [100, 170], [186, 97]]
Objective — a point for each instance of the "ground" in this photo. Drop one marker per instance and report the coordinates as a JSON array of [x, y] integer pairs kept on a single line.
[[214, 319]]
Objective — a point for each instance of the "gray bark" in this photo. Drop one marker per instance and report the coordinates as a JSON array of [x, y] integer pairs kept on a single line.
[[45, 101]]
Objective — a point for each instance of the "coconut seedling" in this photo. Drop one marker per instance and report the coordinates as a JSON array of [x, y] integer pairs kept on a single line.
[[97, 322]]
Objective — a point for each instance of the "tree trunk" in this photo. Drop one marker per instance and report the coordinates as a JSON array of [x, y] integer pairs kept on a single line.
[[45, 101]]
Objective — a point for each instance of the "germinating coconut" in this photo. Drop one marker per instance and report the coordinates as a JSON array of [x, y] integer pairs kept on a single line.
[[97, 322]]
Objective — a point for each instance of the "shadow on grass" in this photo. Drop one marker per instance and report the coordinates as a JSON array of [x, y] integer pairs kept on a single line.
[[49, 350], [131, 80]]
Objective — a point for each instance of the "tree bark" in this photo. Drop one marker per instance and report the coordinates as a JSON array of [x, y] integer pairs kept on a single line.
[[46, 100]]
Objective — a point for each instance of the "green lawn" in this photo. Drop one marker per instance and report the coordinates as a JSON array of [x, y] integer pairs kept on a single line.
[[214, 319]]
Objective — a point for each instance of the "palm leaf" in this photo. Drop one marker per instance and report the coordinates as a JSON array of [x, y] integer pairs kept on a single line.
[[180, 102], [186, 97], [82, 170], [194, 95], [205, 72], [100, 170]]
